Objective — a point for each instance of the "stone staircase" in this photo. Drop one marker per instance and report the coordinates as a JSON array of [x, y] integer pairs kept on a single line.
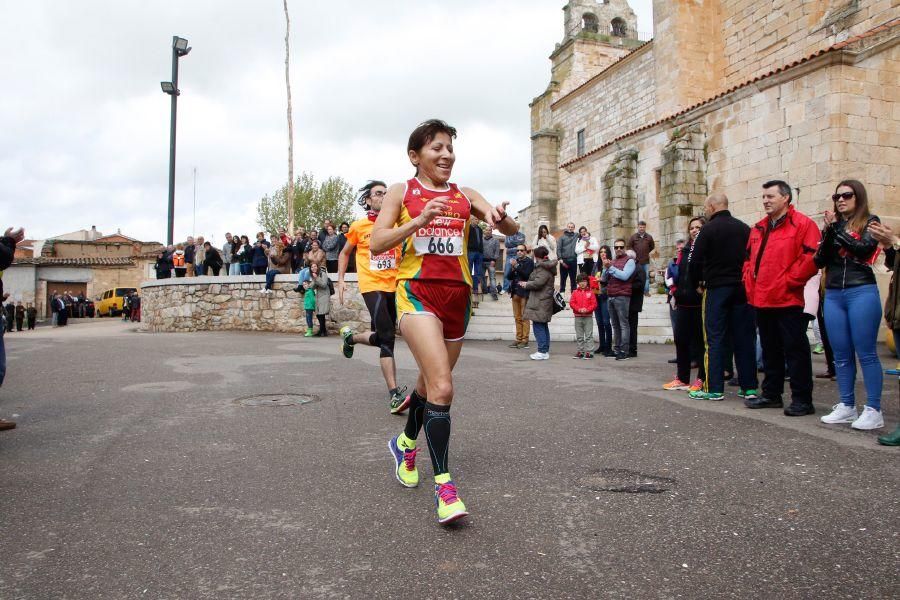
[[494, 321]]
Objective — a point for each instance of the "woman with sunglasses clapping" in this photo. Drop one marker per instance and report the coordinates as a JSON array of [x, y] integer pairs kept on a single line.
[[852, 305]]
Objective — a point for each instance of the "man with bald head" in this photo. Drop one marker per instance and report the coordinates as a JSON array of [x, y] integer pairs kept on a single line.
[[716, 270]]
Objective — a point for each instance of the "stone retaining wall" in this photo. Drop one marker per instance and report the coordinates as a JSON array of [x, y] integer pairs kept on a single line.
[[234, 303]]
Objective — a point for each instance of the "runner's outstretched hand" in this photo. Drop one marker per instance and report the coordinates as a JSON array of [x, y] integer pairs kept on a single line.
[[497, 214]]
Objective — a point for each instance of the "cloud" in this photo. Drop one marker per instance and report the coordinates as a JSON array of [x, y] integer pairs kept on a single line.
[[84, 133]]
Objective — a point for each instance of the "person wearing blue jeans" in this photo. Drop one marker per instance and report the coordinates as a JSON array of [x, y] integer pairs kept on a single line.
[[604, 328], [542, 335], [852, 309]]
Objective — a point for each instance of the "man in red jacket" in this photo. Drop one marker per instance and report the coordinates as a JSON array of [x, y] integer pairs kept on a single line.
[[779, 263]]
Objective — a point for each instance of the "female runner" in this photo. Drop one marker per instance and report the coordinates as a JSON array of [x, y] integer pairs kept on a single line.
[[429, 218]]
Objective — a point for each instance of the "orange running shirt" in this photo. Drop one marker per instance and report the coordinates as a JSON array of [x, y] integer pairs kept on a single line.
[[375, 273], [438, 251]]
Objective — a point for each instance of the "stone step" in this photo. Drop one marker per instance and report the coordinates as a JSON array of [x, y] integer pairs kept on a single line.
[[494, 321]]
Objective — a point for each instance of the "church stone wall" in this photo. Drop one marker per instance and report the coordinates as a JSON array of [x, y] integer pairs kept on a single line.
[[622, 100], [761, 35]]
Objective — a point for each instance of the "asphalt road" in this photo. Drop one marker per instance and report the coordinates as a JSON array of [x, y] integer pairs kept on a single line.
[[136, 472]]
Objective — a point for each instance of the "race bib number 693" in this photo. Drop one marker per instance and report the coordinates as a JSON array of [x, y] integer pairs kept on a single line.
[[443, 237]]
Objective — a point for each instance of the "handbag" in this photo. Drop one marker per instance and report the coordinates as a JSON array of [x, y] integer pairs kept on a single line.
[[559, 303]]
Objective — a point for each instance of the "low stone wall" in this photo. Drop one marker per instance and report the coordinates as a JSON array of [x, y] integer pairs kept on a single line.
[[234, 303]]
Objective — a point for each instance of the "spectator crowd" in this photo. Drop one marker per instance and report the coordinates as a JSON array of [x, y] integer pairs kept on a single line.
[[741, 300]]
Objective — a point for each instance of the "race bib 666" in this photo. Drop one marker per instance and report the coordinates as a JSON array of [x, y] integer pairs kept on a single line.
[[443, 237]]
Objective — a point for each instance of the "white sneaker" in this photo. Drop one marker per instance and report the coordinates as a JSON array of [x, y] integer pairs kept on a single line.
[[540, 356], [869, 419], [840, 413]]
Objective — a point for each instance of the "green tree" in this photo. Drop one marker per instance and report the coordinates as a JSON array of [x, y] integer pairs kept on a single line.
[[313, 203]]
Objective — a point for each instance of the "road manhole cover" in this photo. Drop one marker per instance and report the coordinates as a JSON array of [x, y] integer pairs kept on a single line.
[[623, 480], [276, 400]]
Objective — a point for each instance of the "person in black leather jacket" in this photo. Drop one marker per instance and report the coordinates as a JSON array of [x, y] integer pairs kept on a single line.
[[852, 305]]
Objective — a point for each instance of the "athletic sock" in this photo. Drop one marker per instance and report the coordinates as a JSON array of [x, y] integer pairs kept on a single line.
[[437, 433], [393, 391], [405, 443], [415, 418]]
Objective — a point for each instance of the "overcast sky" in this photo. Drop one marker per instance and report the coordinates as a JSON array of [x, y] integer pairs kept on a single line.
[[84, 126]]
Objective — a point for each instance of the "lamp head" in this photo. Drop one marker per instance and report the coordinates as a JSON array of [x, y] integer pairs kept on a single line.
[[180, 45]]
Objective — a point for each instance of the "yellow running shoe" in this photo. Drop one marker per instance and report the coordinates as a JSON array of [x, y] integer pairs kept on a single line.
[[449, 507], [404, 464]]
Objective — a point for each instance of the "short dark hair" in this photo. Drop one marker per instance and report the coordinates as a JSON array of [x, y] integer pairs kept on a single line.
[[541, 252], [644, 223], [581, 277], [783, 188], [365, 192], [427, 131]]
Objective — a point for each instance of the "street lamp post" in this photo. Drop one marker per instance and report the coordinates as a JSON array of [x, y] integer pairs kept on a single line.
[[179, 48]]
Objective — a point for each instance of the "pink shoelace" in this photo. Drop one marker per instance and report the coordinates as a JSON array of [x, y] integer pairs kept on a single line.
[[409, 458], [447, 493]]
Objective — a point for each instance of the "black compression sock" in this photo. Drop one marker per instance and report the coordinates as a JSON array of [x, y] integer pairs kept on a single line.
[[437, 434], [414, 417]]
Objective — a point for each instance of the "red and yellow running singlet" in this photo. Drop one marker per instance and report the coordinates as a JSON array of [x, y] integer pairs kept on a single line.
[[439, 251]]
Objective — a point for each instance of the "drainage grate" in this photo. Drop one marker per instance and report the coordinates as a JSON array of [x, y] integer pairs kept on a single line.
[[623, 480], [276, 400]]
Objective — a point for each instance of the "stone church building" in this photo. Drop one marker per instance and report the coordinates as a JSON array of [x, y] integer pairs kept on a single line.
[[726, 95]]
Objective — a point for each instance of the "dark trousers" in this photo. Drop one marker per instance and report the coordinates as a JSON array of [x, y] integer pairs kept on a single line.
[[260, 270], [823, 331], [20, 322], [568, 273], [725, 310], [688, 341], [633, 316], [782, 334], [588, 267], [604, 329]]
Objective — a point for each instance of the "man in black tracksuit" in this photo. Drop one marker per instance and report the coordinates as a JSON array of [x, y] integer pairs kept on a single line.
[[716, 267]]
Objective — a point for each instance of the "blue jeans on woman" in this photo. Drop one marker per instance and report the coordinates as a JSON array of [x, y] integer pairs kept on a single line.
[[542, 335], [604, 329], [270, 277], [852, 318], [246, 269], [476, 264]]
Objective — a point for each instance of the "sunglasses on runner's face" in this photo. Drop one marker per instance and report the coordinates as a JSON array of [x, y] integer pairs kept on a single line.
[[619, 247], [521, 250], [845, 196]]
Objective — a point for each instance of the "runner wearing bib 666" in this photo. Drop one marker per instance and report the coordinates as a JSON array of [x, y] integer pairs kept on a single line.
[[377, 276], [429, 217]]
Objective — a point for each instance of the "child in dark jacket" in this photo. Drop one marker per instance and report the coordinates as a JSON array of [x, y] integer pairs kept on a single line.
[[583, 303]]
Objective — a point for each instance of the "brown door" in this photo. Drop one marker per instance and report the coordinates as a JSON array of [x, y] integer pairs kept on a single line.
[[61, 287]]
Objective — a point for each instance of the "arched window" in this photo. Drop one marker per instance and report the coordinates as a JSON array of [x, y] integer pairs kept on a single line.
[[619, 27], [590, 23]]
